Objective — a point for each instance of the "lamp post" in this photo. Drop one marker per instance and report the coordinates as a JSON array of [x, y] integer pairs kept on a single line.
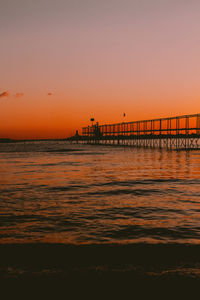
[[124, 115], [92, 120]]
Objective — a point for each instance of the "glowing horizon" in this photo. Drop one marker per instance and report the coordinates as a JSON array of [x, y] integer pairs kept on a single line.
[[64, 62]]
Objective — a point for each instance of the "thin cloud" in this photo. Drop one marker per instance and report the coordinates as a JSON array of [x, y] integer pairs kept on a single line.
[[4, 94], [18, 95]]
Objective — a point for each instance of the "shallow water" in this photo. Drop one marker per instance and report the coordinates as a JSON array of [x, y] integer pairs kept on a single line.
[[79, 194]]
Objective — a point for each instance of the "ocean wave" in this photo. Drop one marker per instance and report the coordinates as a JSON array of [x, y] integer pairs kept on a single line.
[[138, 263]]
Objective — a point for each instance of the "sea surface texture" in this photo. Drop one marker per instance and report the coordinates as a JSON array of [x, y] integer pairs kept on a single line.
[[62, 193], [73, 211]]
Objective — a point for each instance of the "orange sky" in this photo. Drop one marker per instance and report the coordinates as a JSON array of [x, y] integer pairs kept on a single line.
[[63, 62]]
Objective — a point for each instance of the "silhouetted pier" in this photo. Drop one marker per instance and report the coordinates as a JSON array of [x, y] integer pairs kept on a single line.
[[180, 133]]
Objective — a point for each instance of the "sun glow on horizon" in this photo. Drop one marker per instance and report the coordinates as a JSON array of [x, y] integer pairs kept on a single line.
[[64, 62]]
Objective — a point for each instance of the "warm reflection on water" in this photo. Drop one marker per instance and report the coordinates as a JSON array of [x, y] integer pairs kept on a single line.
[[56, 192]]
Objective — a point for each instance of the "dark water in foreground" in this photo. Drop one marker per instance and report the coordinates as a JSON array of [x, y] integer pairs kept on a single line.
[[98, 204]]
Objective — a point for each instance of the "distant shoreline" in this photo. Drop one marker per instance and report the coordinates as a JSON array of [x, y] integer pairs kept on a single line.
[[8, 140]]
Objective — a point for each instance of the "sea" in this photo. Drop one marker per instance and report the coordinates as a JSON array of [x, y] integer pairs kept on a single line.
[[73, 211]]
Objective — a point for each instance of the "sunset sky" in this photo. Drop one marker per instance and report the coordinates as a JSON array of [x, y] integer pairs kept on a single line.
[[64, 61]]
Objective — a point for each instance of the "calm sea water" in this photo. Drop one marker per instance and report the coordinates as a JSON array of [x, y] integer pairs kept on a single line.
[[77, 194], [80, 212]]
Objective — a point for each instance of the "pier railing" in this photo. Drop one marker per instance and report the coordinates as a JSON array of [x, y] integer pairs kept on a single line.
[[187, 124]]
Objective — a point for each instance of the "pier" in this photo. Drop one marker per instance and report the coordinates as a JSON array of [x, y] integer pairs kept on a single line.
[[173, 133]]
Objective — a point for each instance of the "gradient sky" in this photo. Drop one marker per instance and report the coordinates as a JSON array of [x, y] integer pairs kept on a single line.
[[65, 61]]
